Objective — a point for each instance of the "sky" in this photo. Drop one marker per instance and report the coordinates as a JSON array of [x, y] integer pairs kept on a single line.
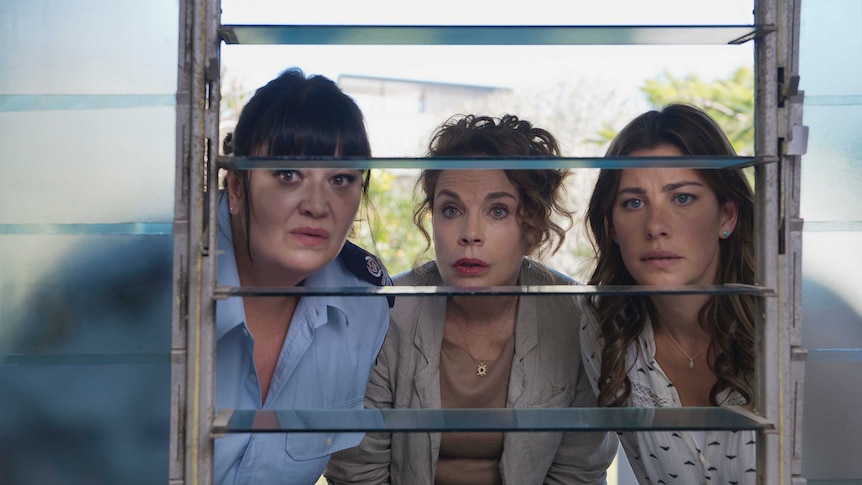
[[504, 66]]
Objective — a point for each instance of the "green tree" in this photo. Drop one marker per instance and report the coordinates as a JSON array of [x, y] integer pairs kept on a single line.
[[729, 101], [386, 228]]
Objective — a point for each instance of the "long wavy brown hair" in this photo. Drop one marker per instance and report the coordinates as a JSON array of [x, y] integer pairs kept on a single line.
[[729, 320], [541, 190]]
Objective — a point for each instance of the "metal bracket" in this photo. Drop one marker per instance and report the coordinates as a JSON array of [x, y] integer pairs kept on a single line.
[[791, 87], [220, 422], [798, 144], [789, 93]]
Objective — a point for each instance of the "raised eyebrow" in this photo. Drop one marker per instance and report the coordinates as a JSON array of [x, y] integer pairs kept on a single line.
[[447, 193], [666, 188], [679, 185], [500, 195], [491, 196], [631, 190]]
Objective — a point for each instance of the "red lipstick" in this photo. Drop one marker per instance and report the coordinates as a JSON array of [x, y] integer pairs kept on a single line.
[[470, 266]]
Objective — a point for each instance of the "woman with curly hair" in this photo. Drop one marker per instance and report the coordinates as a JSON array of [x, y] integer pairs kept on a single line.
[[499, 351], [671, 227]]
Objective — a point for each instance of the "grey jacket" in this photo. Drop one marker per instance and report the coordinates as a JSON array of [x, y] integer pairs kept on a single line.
[[546, 372]]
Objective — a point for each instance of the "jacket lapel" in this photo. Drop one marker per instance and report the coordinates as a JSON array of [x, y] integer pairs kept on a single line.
[[526, 341], [428, 340]]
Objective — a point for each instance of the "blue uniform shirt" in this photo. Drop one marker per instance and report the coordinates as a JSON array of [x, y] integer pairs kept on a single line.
[[324, 363]]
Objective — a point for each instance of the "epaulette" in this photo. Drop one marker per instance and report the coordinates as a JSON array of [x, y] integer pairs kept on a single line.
[[366, 267]]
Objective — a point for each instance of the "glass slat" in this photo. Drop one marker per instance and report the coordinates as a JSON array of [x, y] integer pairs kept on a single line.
[[488, 163], [83, 359], [536, 290], [55, 102], [492, 34], [832, 226], [77, 295], [122, 229], [87, 165], [522, 420], [116, 416], [834, 355]]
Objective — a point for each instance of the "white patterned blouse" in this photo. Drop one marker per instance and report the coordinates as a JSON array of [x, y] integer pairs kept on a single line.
[[678, 457]]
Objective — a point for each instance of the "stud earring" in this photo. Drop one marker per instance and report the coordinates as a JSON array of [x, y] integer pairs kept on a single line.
[[725, 234], [234, 210]]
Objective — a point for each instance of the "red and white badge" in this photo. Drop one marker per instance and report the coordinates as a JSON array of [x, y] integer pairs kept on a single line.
[[373, 266]]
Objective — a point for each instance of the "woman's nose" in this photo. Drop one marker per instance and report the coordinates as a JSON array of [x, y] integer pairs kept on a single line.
[[471, 233], [314, 203], [657, 223]]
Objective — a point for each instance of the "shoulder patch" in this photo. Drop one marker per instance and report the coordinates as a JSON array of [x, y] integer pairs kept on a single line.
[[366, 267]]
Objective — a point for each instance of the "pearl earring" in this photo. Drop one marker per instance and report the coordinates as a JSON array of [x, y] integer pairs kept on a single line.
[[234, 210]]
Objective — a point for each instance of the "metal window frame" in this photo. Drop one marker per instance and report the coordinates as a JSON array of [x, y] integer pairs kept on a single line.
[[781, 359]]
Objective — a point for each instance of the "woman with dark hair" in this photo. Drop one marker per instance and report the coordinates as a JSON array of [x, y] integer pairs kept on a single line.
[[669, 227], [285, 228], [497, 351]]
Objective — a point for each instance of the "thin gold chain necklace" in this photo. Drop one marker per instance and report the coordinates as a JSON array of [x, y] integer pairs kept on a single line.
[[690, 357], [481, 364]]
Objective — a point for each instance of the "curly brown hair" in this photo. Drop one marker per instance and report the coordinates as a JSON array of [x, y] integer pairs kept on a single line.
[[541, 191], [729, 320]]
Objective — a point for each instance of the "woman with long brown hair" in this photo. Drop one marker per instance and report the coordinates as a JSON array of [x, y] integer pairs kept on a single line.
[[671, 227]]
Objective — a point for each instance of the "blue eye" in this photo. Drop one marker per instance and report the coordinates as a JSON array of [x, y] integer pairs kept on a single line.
[[633, 203], [683, 199], [499, 212], [449, 211]]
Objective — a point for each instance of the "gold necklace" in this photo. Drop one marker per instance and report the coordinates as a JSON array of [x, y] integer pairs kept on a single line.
[[481, 364], [690, 357]]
